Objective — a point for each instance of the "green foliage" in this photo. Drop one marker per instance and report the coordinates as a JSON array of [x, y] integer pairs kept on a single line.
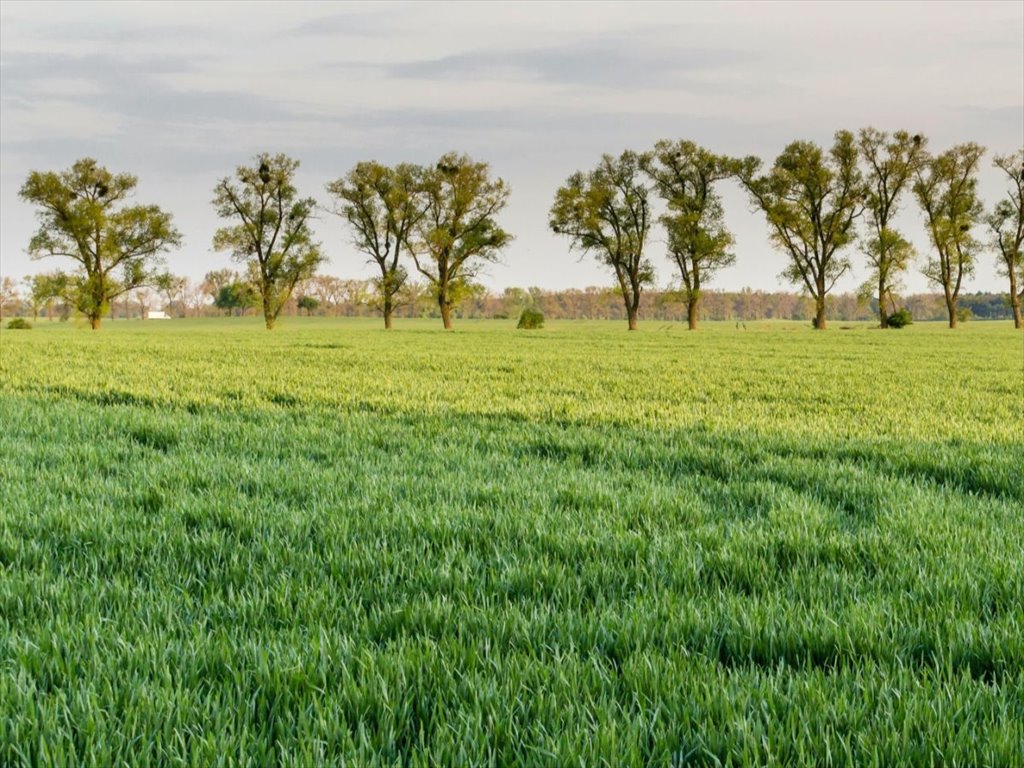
[[271, 236], [84, 216], [556, 557], [899, 319], [606, 213], [531, 319], [308, 303], [237, 295], [19, 324]]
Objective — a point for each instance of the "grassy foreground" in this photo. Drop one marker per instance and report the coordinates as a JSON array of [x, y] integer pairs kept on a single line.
[[575, 546]]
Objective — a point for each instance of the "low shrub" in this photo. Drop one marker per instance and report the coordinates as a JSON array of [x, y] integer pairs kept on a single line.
[[531, 319], [19, 324], [900, 318]]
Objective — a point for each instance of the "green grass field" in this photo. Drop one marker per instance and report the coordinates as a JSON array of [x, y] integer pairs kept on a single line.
[[331, 545]]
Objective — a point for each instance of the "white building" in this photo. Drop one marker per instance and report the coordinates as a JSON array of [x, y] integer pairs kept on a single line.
[[157, 314]]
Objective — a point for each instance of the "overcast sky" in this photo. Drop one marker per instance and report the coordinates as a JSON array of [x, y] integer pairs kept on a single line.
[[181, 93]]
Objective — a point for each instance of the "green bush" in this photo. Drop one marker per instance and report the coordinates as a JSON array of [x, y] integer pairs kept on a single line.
[[531, 319], [900, 319], [20, 324]]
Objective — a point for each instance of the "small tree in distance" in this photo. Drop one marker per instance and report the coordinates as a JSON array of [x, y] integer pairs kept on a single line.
[[84, 216], [308, 303], [8, 292], [606, 212], [236, 297], [271, 234]]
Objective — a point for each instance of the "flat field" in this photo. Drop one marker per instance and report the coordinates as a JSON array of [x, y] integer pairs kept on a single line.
[[331, 545]]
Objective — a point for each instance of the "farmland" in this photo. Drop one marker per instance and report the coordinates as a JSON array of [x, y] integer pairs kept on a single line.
[[574, 546]]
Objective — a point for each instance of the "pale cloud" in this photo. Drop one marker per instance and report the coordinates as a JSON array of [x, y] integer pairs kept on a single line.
[[180, 93]]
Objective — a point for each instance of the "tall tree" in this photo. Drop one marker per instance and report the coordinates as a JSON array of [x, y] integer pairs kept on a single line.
[[459, 233], [272, 236], [892, 161], [684, 175], [83, 215], [1006, 223], [382, 206], [606, 212], [946, 188], [811, 199]]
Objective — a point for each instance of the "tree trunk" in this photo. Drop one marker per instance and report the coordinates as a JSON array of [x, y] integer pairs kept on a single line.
[[388, 311], [819, 312], [446, 313], [632, 313], [951, 308], [1015, 301], [268, 316], [883, 317], [94, 322], [691, 312]]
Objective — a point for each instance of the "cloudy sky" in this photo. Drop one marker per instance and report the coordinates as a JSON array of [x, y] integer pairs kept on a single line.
[[181, 93]]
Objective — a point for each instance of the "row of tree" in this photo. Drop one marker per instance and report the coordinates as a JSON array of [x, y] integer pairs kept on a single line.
[[442, 221], [812, 200]]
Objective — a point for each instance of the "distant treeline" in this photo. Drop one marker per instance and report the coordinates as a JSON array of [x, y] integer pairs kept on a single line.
[[329, 296]]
